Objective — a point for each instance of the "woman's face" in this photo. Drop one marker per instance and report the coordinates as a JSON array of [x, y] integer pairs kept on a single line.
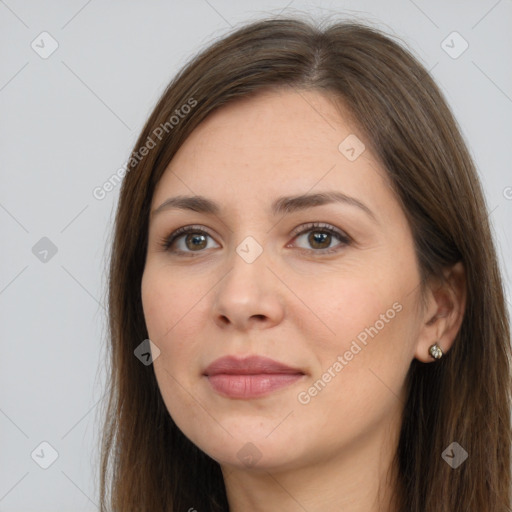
[[329, 288]]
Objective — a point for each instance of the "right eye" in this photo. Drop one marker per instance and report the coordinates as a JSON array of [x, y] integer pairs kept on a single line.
[[190, 240]]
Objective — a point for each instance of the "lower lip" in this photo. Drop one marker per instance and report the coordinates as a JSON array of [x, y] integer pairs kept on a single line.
[[251, 386]]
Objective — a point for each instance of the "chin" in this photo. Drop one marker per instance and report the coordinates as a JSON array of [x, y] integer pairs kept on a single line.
[[252, 452]]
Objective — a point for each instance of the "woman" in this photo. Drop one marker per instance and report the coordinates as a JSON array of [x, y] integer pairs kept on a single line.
[[303, 237]]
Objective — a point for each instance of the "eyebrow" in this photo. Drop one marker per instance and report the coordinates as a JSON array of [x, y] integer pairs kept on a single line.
[[282, 205]]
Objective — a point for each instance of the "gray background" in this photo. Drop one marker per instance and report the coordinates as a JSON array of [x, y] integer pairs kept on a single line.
[[69, 121]]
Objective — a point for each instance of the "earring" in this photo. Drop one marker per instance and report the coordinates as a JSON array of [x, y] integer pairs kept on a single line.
[[435, 351]]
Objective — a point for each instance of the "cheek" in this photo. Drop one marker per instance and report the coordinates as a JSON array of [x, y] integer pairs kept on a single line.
[[367, 320], [341, 309], [167, 301], [171, 308], [174, 311], [360, 369]]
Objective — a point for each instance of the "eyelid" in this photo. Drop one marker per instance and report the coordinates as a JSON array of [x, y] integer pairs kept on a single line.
[[309, 226]]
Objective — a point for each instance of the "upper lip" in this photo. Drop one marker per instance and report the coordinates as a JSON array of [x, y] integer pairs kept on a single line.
[[252, 365]]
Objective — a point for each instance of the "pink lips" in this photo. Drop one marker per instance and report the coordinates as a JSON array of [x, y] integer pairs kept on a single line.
[[250, 377]]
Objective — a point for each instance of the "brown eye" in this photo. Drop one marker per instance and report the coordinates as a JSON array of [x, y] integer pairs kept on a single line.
[[195, 241], [190, 239], [320, 237], [186, 240]]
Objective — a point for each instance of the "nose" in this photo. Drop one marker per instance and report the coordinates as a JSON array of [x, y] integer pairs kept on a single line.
[[249, 296]]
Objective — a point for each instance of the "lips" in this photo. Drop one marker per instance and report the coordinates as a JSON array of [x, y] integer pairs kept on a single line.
[[251, 377], [252, 365]]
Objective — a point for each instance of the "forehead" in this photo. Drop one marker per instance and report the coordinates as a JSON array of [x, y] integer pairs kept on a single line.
[[284, 123], [276, 142]]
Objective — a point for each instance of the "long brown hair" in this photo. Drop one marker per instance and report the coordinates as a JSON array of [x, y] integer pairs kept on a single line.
[[147, 463]]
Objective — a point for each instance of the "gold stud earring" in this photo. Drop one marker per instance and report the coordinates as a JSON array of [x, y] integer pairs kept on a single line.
[[435, 351]]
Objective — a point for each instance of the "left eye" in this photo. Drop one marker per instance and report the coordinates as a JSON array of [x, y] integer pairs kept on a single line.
[[320, 237], [191, 239]]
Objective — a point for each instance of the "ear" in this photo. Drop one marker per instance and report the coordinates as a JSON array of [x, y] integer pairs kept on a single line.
[[443, 314]]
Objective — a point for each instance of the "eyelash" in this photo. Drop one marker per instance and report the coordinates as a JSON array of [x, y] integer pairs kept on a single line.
[[167, 241]]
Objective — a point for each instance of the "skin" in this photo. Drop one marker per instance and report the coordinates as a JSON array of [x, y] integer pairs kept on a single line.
[[294, 303]]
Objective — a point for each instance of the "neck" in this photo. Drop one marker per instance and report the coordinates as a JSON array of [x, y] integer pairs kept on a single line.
[[358, 478]]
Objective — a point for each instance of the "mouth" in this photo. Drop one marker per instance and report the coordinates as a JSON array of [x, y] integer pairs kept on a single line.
[[250, 377], [251, 386]]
